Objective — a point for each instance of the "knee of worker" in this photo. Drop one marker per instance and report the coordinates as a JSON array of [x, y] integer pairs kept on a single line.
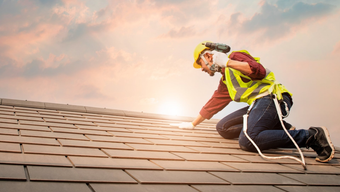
[[245, 144], [229, 132]]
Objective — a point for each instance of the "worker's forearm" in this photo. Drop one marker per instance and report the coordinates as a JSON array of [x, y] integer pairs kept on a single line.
[[243, 67], [199, 119]]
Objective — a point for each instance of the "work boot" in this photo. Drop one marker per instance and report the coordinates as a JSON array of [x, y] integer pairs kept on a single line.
[[321, 143]]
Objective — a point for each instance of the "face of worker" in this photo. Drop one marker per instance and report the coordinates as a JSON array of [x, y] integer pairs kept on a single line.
[[204, 67]]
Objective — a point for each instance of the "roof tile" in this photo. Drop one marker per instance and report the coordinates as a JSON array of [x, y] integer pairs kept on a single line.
[[15, 186], [53, 135], [141, 154], [24, 127], [209, 157], [309, 188], [10, 147], [113, 163], [165, 148], [15, 172], [315, 179], [262, 168], [28, 140], [175, 177], [63, 107], [38, 173], [93, 144], [54, 150], [193, 166], [8, 132], [319, 169], [256, 178], [140, 188], [79, 131], [23, 103], [74, 148], [235, 188], [27, 159]]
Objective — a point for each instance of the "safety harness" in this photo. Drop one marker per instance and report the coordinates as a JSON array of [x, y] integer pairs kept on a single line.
[[251, 90]]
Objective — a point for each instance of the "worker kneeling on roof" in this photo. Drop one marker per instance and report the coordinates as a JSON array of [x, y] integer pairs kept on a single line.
[[244, 79]]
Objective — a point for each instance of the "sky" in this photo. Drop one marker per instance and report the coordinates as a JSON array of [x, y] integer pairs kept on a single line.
[[137, 55]]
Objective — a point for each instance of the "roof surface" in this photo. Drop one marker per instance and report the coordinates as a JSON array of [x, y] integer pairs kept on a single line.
[[56, 147]]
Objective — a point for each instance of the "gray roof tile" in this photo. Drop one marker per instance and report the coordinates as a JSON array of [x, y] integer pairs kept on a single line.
[[140, 188], [24, 127], [235, 188], [175, 177], [165, 148], [113, 163], [79, 131], [27, 159], [28, 140], [63, 107], [209, 157], [38, 173], [319, 169], [59, 147], [53, 135], [142, 154], [256, 178], [262, 167], [23, 103], [16, 186], [193, 166], [309, 188], [315, 179], [57, 150], [15, 172], [45, 124], [93, 144]]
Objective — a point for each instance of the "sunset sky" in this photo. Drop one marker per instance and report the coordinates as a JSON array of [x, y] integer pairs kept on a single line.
[[137, 55]]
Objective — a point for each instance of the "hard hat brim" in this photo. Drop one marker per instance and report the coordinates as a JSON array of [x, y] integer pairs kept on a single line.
[[197, 66]]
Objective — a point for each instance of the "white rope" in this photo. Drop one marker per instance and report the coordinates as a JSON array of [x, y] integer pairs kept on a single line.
[[279, 112]]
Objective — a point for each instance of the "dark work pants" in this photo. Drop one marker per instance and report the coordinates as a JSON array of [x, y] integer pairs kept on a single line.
[[264, 127]]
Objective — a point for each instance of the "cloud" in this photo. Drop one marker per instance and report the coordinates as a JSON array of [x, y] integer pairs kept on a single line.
[[276, 21], [149, 101], [50, 3], [336, 50], [88, 91], [182, 32]]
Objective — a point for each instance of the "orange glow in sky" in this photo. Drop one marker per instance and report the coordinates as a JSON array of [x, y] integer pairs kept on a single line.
[[135, 55]]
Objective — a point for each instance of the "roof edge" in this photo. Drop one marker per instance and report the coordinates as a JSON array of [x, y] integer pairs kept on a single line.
[[96, 110]]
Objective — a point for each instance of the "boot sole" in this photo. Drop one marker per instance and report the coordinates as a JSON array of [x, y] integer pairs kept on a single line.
[[330, 144]]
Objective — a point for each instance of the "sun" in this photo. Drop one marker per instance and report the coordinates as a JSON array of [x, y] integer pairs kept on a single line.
[[169, 108]]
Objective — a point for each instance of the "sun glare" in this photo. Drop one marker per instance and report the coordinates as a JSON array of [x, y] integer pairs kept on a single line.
[[169, 108]]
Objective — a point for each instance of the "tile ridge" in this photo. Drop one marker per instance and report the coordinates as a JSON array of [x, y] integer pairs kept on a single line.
[[95, 110]]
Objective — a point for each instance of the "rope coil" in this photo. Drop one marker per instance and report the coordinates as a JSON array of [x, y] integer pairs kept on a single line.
[[279, 112]]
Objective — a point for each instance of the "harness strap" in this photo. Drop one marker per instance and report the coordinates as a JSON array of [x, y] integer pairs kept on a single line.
[[279, 113]]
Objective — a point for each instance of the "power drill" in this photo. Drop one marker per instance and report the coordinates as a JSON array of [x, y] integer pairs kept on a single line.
[[217, 46]]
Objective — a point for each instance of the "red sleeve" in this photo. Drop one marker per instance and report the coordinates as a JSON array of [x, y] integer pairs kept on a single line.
[[218, 101], [258, 71]]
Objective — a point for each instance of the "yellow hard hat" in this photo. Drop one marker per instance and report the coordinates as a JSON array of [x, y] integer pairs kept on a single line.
[[198, 50]]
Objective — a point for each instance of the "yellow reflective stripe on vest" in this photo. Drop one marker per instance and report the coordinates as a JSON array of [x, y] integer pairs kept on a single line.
[[241, 91], [248, 92]]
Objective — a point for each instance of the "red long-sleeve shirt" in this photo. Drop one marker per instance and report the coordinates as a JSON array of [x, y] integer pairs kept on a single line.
[[221, 97]]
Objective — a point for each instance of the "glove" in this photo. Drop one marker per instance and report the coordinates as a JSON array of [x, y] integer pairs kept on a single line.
[[184, 125], [220, 59]]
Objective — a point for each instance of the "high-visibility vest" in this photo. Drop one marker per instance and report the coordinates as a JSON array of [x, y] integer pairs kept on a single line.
[[248, 92]]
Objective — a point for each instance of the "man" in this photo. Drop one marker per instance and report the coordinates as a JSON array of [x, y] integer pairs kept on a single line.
[[244, 79]]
